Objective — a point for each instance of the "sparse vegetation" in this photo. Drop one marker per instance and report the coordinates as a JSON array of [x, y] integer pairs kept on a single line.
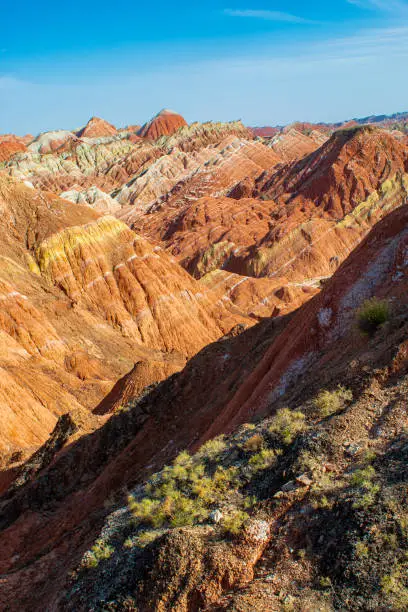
[[371, 315], [213, 447], [234, 521], [264, 459], [287, 424], [363, 481], [182, 494], [254, 443], [330, 402], [99, 552], [362, 549], [394, 586]]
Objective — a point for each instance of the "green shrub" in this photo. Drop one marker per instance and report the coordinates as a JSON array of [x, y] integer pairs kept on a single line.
[[254, 443], [363, 480], [371, 315], [211, 449], [395, 587], [182, 494], [234, 521], [325, 582], [262, 460], [362, 550], [330, 402], [287, 424], [99, 552]]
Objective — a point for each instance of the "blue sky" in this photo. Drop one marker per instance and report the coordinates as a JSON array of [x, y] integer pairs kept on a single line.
[[263, 62]]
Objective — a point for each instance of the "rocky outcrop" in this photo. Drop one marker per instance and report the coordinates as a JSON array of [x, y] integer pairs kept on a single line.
[[301, 220], [178, 178], [323, 328], [293, 143], [9, 145], [58, 140], [94, 197], [279, 363], [165, 123], [82, 300], [96, 128]]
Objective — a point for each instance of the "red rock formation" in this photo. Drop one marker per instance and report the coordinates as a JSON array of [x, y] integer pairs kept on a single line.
[[320, 334], [311, 214], [9, 147], [340, 174], [265, 132], [293, 144], [82, 298], [132, 445], [164, 123], [96, 128]]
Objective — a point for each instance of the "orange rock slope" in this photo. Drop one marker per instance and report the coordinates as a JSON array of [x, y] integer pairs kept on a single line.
[[165, 123], [300, 220], [246, 374], [82, 299], [97, 128]]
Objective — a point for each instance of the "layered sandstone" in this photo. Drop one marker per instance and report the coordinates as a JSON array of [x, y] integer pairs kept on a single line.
[[301, 219], [165, 123], [276, 364], [96, 128], [82, 299]]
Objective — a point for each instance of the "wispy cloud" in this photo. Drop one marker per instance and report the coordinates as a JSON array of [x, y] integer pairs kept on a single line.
[[386, 6], [267, 15]]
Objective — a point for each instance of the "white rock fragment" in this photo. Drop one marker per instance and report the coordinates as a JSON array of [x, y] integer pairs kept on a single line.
[[258, 530], [216, 516]]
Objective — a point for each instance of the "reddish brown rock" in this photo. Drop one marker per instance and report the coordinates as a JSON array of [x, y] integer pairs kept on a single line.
[[164, 123], [9, 145], [265, 132], [320, 335], [293, 144], [303, 218], [82, 298], [229, 382], [96, 128]]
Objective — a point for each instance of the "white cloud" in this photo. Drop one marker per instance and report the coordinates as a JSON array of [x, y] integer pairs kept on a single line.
[[267, 15]]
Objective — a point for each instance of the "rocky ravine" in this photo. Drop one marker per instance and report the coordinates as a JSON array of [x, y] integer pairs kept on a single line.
[[294, 479]]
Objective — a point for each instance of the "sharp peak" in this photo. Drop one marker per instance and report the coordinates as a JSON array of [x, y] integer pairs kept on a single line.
[[166, 111]]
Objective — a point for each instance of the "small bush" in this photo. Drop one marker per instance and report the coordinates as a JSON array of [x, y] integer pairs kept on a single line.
[[262, 460], [394, 586], [182, 494], [254, 443], [287, 424], [99, 552], [371, 315], [362, 550], [234, 522], [325, 582], [211, 449], [330, 402], [363, 480]]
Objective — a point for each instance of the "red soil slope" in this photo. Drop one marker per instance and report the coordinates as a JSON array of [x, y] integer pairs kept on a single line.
[[301, 219], [164, 123], [82, 299], [218, 389], [97, 128], [9, 145]]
